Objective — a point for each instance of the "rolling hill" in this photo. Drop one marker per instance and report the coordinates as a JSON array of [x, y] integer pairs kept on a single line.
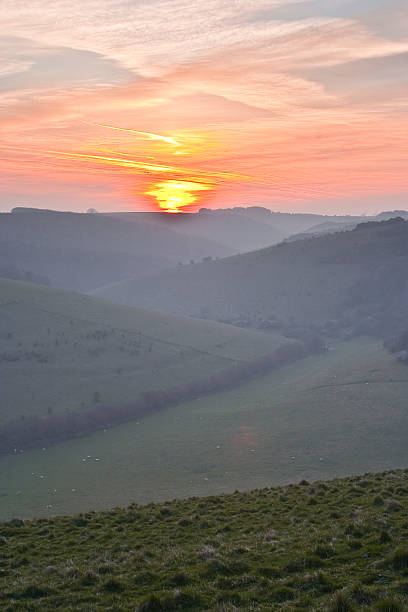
[[70, 362], [336, 546], [350, 282], [84, 251]]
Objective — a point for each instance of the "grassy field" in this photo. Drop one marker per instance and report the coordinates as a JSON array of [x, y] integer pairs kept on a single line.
[[335, 546], [63, 352], [328, 415]]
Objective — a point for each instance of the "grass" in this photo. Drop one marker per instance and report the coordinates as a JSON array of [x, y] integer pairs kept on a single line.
[[62, 352], [328, 415], [323, 546]]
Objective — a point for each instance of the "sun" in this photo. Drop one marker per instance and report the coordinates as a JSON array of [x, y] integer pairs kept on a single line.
[[173, 195]]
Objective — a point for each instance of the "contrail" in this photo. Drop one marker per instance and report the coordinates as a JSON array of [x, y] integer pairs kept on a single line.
[[130, 163], [127, 163], [167, 139]]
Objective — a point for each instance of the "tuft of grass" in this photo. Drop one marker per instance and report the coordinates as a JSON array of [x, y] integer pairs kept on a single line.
[[340, 603]]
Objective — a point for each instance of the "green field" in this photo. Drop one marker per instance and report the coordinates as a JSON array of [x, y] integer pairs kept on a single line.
[[336, 546], [329, 415], [63, 352]]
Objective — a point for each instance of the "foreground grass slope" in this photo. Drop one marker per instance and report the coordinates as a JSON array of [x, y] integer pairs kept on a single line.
[[337, 546], [324, 416], [336, 282], [64, 352]]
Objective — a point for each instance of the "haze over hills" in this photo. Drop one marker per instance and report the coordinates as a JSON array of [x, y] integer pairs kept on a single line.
[[351, 281], [248, 228], [235, 230], [87, 251], [284, 222], [84, 251]]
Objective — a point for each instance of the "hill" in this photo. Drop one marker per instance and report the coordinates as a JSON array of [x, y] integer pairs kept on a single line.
[[336, 546], [346, 283], [84, 251], [320, 417], [236, 231], [70, 362], [292, 223]]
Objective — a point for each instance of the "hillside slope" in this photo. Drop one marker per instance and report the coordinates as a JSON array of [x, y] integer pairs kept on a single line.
[[352, 280], [69, 354], [84, 251], [334, 546]]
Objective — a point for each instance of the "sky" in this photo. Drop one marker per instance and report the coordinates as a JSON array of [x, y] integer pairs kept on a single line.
[[296, 105]]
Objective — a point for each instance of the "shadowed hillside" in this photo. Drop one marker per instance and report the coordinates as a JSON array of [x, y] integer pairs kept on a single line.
[[347, 283], [85, 251], [234, 230]]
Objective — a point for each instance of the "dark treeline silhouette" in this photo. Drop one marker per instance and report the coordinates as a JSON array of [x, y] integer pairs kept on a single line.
[[34, 430]]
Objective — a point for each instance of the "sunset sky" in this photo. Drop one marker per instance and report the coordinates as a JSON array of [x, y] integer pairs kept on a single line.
[[133, 105]]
